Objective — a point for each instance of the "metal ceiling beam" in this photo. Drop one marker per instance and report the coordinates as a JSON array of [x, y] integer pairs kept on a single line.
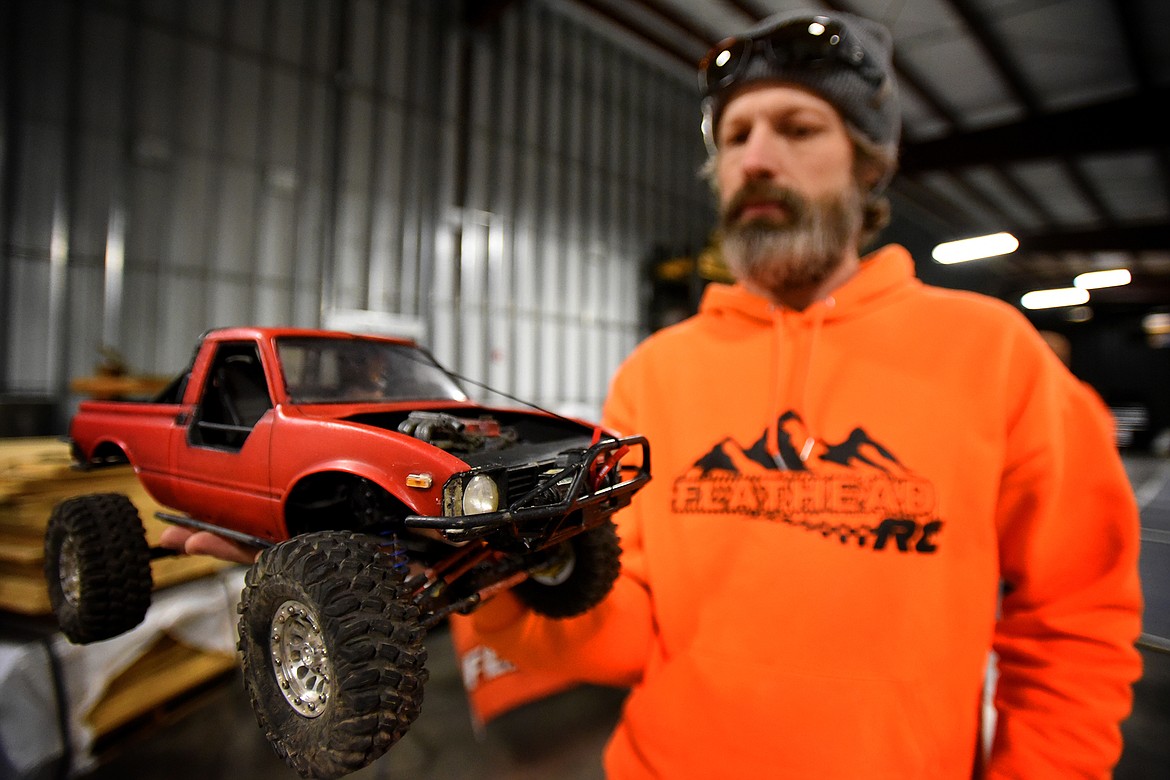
[[947, 112], [1144, 291], [980, 198], [746, 9], [1122, 125], [662, 42], [993, 45], [927, 199], [482, 14], [1138, 53], [1026, 196], [1134, 238], [672, 17]]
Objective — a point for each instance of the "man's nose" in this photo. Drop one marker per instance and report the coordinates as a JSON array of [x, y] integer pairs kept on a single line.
[[762, 155]]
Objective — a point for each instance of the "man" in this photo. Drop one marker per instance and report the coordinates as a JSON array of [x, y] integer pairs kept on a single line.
[[850, 468], [862, 486]]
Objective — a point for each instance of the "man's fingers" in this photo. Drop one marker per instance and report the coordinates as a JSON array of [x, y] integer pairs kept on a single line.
[[205, 543], [175, 537]]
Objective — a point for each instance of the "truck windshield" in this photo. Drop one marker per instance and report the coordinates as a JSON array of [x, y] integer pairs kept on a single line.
[[356, 370]]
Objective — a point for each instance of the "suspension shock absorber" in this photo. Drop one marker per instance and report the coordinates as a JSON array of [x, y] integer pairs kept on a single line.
[[399, 561]]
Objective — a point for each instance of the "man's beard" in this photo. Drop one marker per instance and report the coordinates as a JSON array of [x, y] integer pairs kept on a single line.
[[797, 251]]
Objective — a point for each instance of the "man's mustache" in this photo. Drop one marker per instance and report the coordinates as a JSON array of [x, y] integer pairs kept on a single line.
[[756, 193]]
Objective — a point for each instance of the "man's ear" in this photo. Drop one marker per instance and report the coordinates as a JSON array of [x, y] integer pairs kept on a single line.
[[869, 172]]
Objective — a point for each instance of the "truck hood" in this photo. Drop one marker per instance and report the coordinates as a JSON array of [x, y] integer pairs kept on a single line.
[[478, 435]]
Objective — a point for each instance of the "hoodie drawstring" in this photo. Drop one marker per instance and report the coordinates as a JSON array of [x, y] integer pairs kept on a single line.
[[814, 342], [798, 384], [773, 437]]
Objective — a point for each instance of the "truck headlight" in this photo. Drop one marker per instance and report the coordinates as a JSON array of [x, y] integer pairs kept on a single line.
[[480, 495]]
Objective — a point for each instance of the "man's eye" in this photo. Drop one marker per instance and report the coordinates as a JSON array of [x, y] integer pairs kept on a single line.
[[735, 138], [800, 130]]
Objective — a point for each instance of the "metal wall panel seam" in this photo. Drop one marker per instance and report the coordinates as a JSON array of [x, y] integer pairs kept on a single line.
[[434, 182], [208, 268], [303, 176], [10, 149], [156, 350], [118, 216], [512, 44], [375, 287], [334, 142], [261, 164], [58, 347]]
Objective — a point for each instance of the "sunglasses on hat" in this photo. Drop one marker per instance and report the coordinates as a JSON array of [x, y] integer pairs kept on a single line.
[[812, 43]]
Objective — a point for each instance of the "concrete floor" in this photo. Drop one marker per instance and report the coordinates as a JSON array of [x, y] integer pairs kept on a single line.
[[562, 737]]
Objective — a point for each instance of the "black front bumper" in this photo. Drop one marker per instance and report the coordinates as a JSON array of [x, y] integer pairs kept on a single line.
[[584, 504]]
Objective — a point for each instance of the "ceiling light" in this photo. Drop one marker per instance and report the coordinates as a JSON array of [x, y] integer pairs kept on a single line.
[[1096, 279], [975, 248], [1051, 299], [1157, 323], [1157, 327]]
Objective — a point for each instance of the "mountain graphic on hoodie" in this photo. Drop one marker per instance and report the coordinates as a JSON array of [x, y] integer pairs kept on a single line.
[[859, 451]]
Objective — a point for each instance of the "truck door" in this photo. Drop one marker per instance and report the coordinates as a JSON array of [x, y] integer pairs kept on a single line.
[[221, 459]]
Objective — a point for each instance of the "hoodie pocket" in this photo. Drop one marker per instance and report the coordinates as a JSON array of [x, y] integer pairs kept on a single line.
[[764, 721]]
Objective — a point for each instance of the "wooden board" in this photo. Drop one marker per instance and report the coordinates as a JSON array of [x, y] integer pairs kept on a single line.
[[164, 672], [166, 676], [35, 474], [119, 386]]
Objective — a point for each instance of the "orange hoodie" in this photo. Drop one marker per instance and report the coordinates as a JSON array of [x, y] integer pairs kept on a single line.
[[811, 582]]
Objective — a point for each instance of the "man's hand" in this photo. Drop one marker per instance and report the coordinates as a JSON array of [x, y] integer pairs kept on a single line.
[[205, 543]]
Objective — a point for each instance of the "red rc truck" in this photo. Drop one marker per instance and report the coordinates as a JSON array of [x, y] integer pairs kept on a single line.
[[383, 501]]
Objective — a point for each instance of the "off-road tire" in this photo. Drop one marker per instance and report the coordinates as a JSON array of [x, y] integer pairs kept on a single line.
[[595, 557], [97, 566], [341, 595]]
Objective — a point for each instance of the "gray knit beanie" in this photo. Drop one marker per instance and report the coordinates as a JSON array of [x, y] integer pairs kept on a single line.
[[859, 83]]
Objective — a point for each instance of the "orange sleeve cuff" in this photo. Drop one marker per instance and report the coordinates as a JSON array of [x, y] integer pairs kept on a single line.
[[498, 613]]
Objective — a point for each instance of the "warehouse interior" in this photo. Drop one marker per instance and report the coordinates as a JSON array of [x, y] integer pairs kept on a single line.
[[513, 183]]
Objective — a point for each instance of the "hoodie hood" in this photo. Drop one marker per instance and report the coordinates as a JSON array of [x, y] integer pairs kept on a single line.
[[796, 335], [880, 273]]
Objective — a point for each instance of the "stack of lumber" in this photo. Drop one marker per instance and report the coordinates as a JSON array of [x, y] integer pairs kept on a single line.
[[111, 386], [166, 674], [161, 686], [35, 474]]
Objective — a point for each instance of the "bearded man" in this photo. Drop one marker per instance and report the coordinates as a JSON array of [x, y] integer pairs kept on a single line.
[[864, 487]]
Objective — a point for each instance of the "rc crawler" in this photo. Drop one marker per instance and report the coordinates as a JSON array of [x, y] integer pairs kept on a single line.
[[382, 500]]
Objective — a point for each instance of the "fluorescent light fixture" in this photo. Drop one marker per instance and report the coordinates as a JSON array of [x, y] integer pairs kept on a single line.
[[1157, 324], [975, 248], [1051, 299], [1096, 279]]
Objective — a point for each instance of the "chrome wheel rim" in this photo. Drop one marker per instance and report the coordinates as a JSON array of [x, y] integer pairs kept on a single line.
[[299, 659], [557, 569], [69, 572]]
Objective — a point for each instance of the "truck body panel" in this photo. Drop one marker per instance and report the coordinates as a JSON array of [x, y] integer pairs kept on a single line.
[[264, 416]]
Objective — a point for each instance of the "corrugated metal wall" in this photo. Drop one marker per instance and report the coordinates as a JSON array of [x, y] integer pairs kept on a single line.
[[497, 178]]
